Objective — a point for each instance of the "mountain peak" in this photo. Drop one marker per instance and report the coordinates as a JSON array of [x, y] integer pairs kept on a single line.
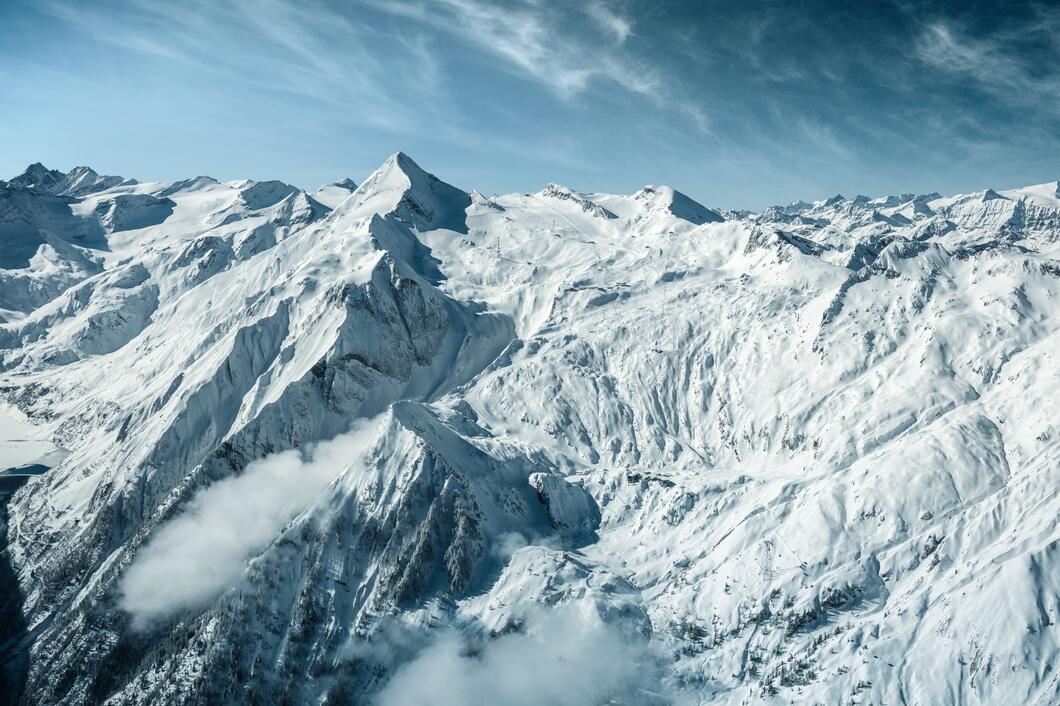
[[38, 168], [558, 191], [77, 182], [193, 184], [263, 194], [532, 417], [404, 189], [407, 166], [333, 194], [397, 164], [37, 176], [678, 204]]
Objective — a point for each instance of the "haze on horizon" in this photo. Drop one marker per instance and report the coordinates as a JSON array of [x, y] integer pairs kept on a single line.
[[738, 107]]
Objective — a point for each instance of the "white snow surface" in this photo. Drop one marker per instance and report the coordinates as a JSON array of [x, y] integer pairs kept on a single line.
[[806, 455], [22, 444]]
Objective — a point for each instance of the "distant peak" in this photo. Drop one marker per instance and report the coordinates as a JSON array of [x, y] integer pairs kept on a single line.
[[557, 191], [406, 164], [397, 165], [554, 189], [79, 181], [417, 197], [652, 190], [84, 180], [346, 183], [193, 184], [678, 204], [991, 195], [263, 194], [399, 171], [37, 176]]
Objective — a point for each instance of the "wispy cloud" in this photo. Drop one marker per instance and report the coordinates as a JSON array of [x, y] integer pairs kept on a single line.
[[610, 21], [275, 47], [942, 46], [1004, 61], [519, 85], [532, 40], [400, 78], [558, 659], [194, 557]]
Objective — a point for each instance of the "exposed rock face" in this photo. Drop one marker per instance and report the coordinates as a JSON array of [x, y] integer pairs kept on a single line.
[[79, 181], [807, 454], [133, 211], [570, 508], [555, 191]]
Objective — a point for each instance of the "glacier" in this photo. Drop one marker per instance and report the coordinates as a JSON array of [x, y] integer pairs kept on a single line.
[[397, 442]]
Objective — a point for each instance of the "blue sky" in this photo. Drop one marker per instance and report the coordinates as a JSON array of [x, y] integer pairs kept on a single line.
[[739, 105]]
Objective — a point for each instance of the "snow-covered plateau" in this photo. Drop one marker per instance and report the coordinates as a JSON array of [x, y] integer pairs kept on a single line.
[[398, 443]]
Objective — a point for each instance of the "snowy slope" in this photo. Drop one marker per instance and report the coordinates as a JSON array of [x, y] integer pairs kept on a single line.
[[344, 446]]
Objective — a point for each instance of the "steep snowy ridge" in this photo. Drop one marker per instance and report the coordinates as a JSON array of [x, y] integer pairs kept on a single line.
[[807, 454], [79, 181]]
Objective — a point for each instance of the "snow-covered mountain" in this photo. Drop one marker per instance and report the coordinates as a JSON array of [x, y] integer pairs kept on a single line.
[[398, 443]]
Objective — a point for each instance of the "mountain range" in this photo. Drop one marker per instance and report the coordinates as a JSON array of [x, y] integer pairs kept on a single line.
[[400, 443]]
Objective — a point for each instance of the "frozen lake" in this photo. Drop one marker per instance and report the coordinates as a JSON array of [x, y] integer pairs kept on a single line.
[[23, 447]]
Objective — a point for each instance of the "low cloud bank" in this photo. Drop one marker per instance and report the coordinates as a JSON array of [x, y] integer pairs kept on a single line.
[[195, 556], [558, 659]]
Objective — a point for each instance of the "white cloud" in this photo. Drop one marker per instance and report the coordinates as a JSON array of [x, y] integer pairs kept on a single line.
[[558, 659], [195, 556], [610, 21], [941, 45], [531, 39], [994, 61], [388, 64], [278, 48]]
